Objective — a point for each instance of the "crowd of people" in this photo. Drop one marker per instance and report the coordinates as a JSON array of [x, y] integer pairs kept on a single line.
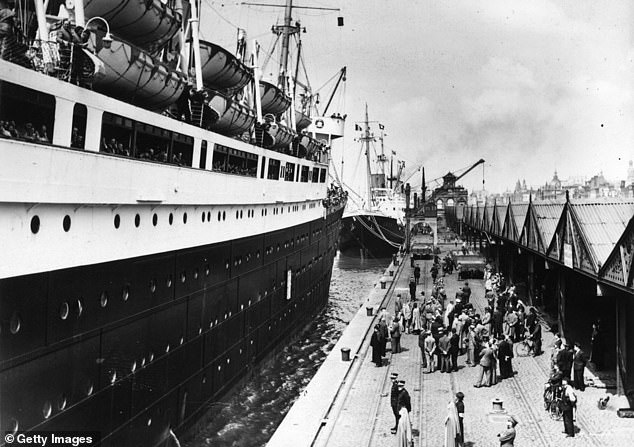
[[27, 132], [451, 329]]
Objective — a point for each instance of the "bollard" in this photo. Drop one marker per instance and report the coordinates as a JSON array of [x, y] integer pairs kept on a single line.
[[498, 405], [369, 310], [345, 354], [391, 272], [383, 282]]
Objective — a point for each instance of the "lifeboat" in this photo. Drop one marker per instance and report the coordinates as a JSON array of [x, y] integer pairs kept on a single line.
[[273, 99], [148, 24], [233, 118], [302, 121], [282, 135], [133, 75], [221, 70]]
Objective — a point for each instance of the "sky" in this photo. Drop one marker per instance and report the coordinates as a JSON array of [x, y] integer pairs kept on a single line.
[[530, 86]]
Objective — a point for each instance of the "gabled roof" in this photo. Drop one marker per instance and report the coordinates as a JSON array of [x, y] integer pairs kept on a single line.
[[488, 218], [602, 225], [499, 213], [478, 219], [587, 232], [514, 221], [540, 225], [619, 267]]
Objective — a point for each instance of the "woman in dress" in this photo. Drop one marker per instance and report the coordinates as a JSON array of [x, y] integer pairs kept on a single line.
[[404, 435], [452, 426]]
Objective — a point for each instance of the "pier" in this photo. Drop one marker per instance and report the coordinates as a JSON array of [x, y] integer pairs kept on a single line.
[[348, 401]]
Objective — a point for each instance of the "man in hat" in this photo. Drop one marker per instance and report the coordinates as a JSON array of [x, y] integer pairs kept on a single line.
[[403, 397], [568, 404], [579, 361], [507, 437], [564, 360], [394, 400], [430, 349]]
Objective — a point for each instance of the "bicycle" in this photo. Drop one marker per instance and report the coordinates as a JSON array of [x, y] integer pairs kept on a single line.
[[553, 401]]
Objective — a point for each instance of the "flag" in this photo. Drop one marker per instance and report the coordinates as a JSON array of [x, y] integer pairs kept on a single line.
[[393, 152], [381, 126], [357, 127]]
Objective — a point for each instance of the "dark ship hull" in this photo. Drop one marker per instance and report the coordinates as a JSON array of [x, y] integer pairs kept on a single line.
[[140, 347], [378, 235]]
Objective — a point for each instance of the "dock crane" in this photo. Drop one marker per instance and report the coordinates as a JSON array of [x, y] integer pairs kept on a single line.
[[473, 166]]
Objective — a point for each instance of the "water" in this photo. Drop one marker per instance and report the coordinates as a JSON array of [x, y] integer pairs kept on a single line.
[[251, 415]]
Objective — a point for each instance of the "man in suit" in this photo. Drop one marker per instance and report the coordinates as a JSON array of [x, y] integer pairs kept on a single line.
[[579, 361], [394, 400], [568, 404], [507, 437], [466, 292], [403, 397], [564, 360], [486, 362], [505, 354], [454, 349], [444, 346]]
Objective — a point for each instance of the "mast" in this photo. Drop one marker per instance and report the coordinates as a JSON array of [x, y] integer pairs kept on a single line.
[[366, 138], [286, 34]]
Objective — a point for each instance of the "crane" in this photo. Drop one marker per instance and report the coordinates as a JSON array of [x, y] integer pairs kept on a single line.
[[477, 163]]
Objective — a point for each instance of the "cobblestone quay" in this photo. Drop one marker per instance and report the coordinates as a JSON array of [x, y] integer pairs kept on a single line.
[[360, 413]]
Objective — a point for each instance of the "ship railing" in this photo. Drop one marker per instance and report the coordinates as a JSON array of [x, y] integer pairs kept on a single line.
[[66, 62]]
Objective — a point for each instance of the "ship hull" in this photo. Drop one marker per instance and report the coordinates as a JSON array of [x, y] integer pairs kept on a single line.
[[376, 234], [137, 347]]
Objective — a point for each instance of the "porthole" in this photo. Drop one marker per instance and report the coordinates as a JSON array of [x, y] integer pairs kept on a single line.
[[182, 340], [15, 324], [66, 223], [154, 219], [184, 218], [133, 367], [80, 307], [207, 270], [103, 299], [204, 379], [117, 221], [89, 389], [125, 293], [224, 215], [195, 273], [113, 376], [167, 348], [62, 401], [151, 357], [219, 216], [170, 219], [237, 214], [137, 220], [152, 285], [64, 310], [47, 409], [168, 283], [203, 216], [240, 214], [183, 277], [35, 224], [142, 362], [149, 421], [208, 216]]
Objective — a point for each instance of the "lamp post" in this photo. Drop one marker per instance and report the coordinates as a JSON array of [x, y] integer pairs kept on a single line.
[[107, 39]]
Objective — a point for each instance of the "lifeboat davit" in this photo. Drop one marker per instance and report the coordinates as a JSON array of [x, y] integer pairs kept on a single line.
[[148, 24], [133, 75], [233, 118], [221, 70], [273, 99], [302, 121]]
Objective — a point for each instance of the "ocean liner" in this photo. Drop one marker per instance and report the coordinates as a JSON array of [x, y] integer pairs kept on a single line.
[[165, 216], [375, 226]]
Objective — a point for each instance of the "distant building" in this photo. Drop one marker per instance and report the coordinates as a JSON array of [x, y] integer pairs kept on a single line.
[[450, 200]]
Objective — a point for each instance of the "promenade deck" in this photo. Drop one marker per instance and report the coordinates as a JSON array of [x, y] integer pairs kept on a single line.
[[348, 402]]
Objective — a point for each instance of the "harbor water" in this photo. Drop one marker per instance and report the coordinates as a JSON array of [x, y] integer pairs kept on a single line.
[[250, 416]]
